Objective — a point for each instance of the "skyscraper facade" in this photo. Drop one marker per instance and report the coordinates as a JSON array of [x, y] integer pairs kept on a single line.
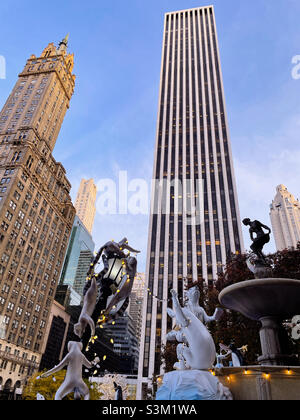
[[125, 342], [36, 212], [285, 219], [195, 221], [78, 257], [136, 300], [85, 203]]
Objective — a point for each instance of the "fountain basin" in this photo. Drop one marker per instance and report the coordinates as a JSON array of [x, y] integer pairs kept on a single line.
[[256, 299], [269, 301]]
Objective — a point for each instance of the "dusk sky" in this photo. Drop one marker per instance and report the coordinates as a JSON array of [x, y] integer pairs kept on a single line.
[[111, 123]]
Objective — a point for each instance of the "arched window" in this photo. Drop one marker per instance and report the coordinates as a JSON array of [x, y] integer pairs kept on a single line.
[[8, 384]]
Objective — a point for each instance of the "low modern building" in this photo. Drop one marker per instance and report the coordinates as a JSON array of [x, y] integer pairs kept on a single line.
[[56, 333]]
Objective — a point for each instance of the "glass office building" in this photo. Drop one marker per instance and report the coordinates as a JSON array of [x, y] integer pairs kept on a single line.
[[78, 257]]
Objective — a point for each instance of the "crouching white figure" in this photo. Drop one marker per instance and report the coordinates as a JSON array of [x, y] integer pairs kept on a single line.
[[73, 381]]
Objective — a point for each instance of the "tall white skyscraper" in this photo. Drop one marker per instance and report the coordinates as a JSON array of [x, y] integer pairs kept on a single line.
[[195, 222], [85, 203], [285, 219]]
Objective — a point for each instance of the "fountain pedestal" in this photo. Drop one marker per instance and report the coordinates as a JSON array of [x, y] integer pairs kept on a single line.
[[269, 301]]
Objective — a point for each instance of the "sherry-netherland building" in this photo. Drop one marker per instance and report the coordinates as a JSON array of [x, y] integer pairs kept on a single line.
[[195, 222], [285, 219], [36, 212]]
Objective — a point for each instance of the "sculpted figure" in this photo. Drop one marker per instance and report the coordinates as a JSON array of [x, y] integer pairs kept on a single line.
[[89, 304], [118, 392], [200, 351], [178, 333], [112, 296], [295, 327], [235, 353], [261, 238], [113, 250], [257, 262], [193, 295], [73, 381]]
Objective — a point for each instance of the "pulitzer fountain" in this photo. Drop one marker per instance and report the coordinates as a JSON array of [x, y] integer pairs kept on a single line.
[[268, 300]]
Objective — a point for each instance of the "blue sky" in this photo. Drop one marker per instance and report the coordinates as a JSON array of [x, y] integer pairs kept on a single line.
[[111, 123]]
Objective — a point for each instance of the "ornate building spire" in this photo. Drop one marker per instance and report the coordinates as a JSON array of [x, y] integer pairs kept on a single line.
[[63, 45]]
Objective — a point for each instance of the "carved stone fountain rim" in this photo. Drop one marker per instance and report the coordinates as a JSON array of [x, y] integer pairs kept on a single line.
[[270, 297]]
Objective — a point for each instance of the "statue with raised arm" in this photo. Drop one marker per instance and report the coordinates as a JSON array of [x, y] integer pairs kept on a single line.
[[193, 306], [114, 282], [193, 296], [196, 354], [73, 381], [235, 353], [197, 349], [106, 294], [261, 238], [257, 262]]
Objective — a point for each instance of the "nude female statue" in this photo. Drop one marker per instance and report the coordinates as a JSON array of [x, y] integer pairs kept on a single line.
[[261, 238]]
